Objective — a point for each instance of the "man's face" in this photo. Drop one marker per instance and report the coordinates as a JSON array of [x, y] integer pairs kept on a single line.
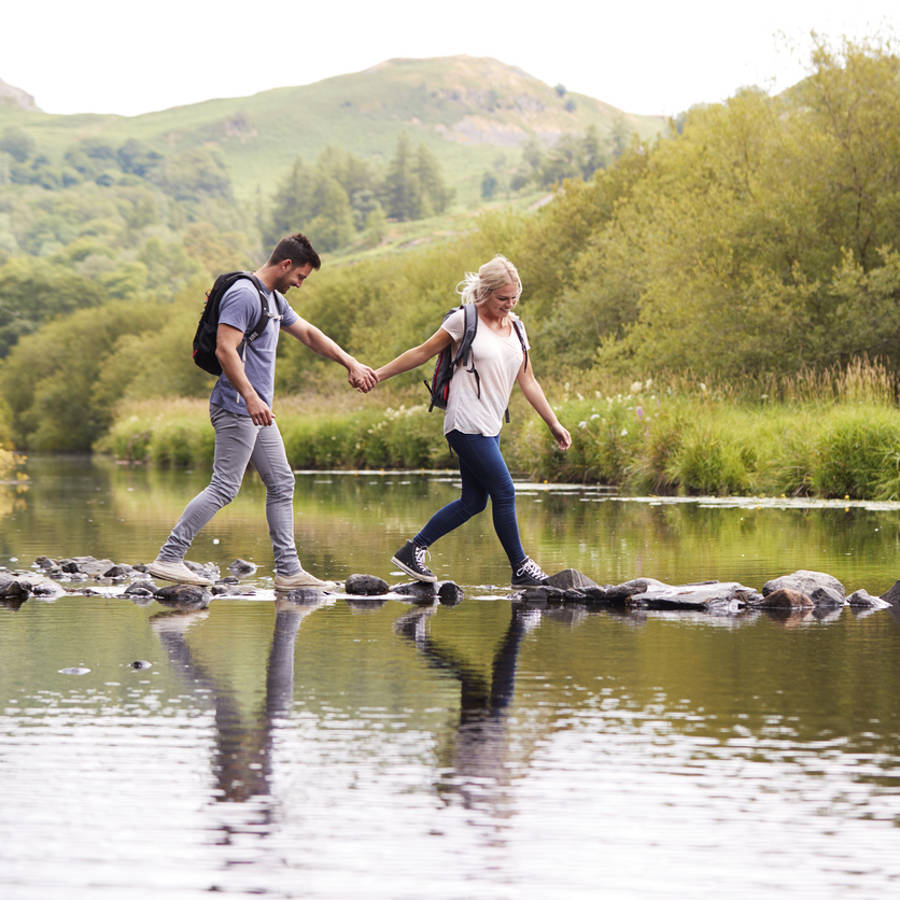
[[293, 276]]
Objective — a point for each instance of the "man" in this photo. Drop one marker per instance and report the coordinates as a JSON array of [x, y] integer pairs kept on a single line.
[[241, 414]]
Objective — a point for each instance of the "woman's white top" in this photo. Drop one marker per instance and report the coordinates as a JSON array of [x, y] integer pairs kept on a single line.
[[498, 360]]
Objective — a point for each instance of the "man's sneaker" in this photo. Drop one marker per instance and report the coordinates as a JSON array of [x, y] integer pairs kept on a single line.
[[411, 559], [176, 571], [528, 574], [301, 579]]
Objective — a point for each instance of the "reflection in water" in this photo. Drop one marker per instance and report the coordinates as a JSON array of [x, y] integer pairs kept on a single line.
[[242, 760], [477, 759]]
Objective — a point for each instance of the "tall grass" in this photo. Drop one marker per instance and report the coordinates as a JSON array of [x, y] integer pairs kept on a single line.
[[830, 434]]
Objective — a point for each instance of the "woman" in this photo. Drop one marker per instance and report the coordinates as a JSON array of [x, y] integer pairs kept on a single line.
[[474, 416]]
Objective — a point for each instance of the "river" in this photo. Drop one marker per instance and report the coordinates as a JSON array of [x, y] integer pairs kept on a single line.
[[341, 747]]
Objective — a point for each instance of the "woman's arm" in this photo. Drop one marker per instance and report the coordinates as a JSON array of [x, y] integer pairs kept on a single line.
[[534, 394], [414, 357]]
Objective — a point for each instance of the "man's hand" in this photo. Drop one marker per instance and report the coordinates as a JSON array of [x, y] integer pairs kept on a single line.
[[363, 378], [259, 411]]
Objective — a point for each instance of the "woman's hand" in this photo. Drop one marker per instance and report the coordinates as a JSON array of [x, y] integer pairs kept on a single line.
[[562, 436]]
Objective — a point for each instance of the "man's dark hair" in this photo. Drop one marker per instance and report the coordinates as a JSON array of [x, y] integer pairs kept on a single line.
[[297, 249]]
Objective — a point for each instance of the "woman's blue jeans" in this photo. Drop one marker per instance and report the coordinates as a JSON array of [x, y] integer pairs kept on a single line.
[[484, 474]]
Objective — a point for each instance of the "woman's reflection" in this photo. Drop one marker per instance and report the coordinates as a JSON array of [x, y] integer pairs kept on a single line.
[[476, 759]]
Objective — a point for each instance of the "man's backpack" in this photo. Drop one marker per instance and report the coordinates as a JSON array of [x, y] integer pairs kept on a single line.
[[207, 327], [447, 360]]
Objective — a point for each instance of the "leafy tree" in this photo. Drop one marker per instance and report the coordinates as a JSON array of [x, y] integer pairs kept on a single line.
[[32, 291]]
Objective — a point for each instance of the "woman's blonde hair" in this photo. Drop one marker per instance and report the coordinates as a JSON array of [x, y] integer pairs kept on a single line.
[[492, 276]]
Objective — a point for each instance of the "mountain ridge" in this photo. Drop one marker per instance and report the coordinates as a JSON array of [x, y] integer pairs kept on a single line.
[[465, 109]]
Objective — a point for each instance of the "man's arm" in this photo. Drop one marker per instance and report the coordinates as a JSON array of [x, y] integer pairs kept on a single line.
[[359, 375]]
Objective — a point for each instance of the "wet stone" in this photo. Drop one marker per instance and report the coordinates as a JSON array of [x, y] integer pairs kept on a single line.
[[366, 585], [822, 588], [141, 664], [12, 587], [140, 589], [449, 593], [184, 596], [862, 599], [785, 599], [242, 567]]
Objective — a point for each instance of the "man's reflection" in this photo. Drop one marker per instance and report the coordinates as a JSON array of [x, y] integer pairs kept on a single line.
[[476, 757], [242, 757]]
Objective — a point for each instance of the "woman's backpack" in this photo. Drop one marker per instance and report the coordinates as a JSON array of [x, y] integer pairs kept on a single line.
[[447, 360]]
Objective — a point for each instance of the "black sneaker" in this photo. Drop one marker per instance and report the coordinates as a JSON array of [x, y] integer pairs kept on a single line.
[[411, 559], [528, 574]]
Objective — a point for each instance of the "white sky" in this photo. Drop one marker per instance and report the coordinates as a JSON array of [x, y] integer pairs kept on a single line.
[[643, 56]]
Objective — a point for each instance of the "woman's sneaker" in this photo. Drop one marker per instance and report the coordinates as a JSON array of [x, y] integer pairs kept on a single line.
[[528, 574], [411, 559]]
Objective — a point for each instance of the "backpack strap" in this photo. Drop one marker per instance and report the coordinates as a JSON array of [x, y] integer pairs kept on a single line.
[[518, 327], [264, 315]]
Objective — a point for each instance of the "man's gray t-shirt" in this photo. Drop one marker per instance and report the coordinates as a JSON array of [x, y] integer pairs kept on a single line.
[[240, 307]]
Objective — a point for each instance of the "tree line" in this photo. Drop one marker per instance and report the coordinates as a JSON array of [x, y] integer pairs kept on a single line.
[[760, 237]]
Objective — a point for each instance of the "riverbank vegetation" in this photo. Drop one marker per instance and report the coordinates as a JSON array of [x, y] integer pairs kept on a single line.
[[831, 434], [744, 270]]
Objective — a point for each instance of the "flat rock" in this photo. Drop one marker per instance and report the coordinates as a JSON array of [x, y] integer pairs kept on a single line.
[[720, 595], [825, 590], [366, 585]]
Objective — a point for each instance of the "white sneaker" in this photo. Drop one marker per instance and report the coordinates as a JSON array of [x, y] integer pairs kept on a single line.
[[301, 579], [176, 571]]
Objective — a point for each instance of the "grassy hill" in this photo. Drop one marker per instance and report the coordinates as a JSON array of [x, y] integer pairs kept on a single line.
[[466, 110]]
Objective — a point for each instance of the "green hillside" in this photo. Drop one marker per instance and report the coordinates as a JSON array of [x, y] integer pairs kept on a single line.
[[467, 111]]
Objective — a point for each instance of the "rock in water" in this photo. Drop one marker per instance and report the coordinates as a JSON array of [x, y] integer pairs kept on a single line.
[[184, 596], [366, 585], [823, 589]]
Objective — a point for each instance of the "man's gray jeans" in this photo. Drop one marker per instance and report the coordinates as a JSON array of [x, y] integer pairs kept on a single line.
[[238, 443]]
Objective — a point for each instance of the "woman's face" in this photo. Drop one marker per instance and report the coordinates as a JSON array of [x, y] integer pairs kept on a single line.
[[499, 303]]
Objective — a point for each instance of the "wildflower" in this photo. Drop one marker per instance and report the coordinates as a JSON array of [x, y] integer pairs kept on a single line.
[[636, 386], [639, 412], [582, 424], [623, 432]]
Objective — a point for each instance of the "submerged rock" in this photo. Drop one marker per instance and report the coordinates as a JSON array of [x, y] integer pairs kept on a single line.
[[242, 567], [366, 585]]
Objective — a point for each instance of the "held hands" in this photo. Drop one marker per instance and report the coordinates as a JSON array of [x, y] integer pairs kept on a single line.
[[362, 377]]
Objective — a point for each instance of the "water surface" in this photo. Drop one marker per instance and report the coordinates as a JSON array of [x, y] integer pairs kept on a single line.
[[349, 748]]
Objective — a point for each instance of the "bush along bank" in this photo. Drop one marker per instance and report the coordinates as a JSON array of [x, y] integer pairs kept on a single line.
[[642, 441]]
